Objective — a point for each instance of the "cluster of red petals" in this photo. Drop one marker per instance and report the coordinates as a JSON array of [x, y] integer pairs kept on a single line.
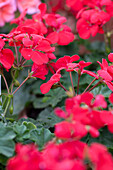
[[67, 64], [70, 155], [106, 71], [105, 74], [83, 115], [35, 38], [57, 31], [6, 56], [92, 15]]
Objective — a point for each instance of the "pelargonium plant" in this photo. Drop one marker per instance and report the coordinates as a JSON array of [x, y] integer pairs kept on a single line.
[[76, 141]]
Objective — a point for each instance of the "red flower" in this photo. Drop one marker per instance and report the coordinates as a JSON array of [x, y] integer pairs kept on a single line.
[[36, 49], [100, 157], [82, 119], [110, 57], [81, 66], [29, 157], [62, 37], [63, 62], [39, 71], [92, 16], [47, 86], [85, 28], [106, 72], [62, 34]]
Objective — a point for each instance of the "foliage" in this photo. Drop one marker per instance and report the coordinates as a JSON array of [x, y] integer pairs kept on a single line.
[[52, 73]]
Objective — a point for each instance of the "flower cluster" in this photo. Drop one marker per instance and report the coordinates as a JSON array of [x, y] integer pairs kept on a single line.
[[104, 75], [8, 7], [92, 15], [82, 115], [69, 155], [34, 38]]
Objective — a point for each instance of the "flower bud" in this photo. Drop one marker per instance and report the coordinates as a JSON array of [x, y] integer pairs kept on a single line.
[[16, 83], [11, 109]]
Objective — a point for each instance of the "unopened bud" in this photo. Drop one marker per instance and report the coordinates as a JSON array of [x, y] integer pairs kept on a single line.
[[16, 83], [70, 92], [11, 109], [30, 74]]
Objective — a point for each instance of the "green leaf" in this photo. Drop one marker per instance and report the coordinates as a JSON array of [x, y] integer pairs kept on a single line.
[[1, 110], [19, 129], [47, 135], [7, 147], [22, 96], [51, 99], [35, 87], [6, 133], [41, 136], [29, 125], [3, 160], [47, 118], [6, 140], [102, 89]]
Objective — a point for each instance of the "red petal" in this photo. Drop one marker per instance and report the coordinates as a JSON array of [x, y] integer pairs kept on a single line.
[[94, 132], [60, 113], [100, 101], [65, 37], [27, 42], [63, 130], [46, 86], [111, 98], [42, 7], [110, 128], [2, 43], [53, 37], [110, 57], [7, 58], [90, 73], [87, 98], [104, 63], [39, 58], [50, 20], [39, 71], [44, 45], [51, 56], [74, 58], [26, 53], [104, 74]]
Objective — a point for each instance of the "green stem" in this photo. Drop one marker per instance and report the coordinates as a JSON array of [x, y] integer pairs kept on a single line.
[[107, 39], [4, 102], [78, 83], [5, 83], [21, 84], [16, 52], [72, 83], [6, 108]]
